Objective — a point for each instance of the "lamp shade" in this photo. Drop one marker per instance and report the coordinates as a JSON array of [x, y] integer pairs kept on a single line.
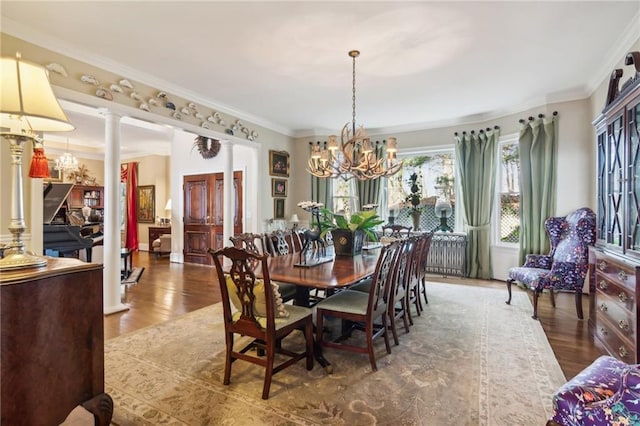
[[27, 101], [294, 218], [168, 206]]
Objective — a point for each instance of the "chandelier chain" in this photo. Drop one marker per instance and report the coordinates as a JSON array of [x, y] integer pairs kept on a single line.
[[353, 97]]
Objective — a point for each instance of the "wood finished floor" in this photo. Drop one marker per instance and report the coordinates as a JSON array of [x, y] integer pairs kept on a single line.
[[168, 290]]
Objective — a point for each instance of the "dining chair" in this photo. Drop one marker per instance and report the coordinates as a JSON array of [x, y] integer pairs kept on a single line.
[[396, 231], [363, 308], [279, 243], [259, 315], [255, 244], [417, 281]]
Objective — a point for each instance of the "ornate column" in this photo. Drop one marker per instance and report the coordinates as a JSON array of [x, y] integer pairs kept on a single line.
[[226, 148], [111, 273]]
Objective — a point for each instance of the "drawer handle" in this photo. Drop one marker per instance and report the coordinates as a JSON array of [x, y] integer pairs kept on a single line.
[[622, 351], [602, 265], [624, 325], [603, 307], [623, 297], [604, 331], [622, 275], [603, 285]]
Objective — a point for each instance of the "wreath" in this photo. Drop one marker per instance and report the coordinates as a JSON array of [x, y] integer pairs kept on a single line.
[[207, 147]]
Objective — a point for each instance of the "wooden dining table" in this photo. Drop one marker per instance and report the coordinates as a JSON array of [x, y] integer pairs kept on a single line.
[[335, 273]]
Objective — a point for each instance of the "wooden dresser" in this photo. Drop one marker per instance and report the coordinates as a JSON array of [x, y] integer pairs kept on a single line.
[[615, 312], [52, 341], [614, 262]]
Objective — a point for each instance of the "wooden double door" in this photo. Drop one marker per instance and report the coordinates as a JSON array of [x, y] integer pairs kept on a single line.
[[204, 214]]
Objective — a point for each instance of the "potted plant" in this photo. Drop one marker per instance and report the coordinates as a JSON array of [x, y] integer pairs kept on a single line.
[[414, 198], [348, 235]]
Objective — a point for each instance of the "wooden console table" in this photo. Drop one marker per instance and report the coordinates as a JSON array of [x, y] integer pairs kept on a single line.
[[51, 342]]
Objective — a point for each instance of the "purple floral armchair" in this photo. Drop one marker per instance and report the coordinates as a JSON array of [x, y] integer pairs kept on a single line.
[[605, 393], [565, 267]]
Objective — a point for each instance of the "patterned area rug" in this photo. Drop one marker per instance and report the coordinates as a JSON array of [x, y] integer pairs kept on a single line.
[[470, 359]]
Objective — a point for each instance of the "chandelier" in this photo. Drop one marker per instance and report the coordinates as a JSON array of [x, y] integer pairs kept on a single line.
[[357, 156], [67, 163]]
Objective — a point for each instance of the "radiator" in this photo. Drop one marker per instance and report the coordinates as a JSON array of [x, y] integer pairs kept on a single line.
[[447, 254]]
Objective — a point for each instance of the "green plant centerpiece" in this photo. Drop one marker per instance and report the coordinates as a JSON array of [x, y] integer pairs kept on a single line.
[[348, 235], [414, 199]]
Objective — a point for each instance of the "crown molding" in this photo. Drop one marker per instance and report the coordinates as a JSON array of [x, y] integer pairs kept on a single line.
[[38, 38]]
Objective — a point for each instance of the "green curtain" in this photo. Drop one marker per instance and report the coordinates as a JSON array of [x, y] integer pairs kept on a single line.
[[537, 144], [322, 191], [476, 154], [368, 191]]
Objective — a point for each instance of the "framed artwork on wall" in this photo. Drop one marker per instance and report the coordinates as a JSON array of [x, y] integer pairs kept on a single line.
[[56, 175], [146, 198], [278, 208], [278, 163], [278, 187]]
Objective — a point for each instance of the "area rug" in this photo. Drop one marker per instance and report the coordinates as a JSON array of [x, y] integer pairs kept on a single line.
[[470, 359], [134, 276]]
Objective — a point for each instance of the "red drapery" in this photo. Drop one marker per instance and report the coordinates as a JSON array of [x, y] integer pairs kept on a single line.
[[129, 174]]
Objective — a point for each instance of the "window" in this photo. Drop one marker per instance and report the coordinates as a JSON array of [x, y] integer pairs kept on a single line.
[[435, 178], [507, 217]]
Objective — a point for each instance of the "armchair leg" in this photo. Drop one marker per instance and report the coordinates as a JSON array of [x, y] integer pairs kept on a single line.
[[509, 282], [536, 294], [553, 298], [579, 304]]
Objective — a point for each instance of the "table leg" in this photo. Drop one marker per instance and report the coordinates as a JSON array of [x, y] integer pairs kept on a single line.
[[302, 299]]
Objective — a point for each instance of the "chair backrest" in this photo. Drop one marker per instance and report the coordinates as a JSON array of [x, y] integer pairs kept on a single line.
[[279, 243], [397, 231], [571, 236], [401, 268], [252, 242], [381, 282], [241, 283]]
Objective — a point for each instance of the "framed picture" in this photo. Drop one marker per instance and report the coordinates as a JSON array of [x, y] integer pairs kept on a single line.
[[278, 208], [56, 175], [146, 203], [279, 163], [278, 187]]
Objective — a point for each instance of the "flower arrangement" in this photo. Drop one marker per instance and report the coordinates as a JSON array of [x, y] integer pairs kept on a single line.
[[365, 220], [414, 198]]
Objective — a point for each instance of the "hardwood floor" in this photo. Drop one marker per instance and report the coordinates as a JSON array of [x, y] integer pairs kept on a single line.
[[168, 290]]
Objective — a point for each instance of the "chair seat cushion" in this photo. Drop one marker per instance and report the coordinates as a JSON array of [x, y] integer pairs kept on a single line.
[[349, 301], [294, 313], [527, 276]]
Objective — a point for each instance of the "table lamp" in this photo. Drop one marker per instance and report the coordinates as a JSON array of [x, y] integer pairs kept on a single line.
[[27, 105], [167, 208], [294, 221]]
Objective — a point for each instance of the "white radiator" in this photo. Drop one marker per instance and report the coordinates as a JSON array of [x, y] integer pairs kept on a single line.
[[447, 254]]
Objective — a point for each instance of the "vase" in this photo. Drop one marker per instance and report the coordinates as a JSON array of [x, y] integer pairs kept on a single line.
[[347, 242], [415, 216]]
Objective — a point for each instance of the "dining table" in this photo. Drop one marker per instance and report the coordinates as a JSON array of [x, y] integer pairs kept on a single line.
[[325, 271]]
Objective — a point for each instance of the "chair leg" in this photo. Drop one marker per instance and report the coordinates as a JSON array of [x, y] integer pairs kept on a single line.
[[424, 291], [372, 356], [319, 327], [385, 333], [392, 325], [308, 335], [509, 282], [271, 354], [228, 359], [536, 294], [553, 297], [579, 303]]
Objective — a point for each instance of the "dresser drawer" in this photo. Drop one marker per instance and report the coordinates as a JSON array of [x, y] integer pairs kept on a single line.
[[622, 274], [619, 294], [614, 344], [610, 309]]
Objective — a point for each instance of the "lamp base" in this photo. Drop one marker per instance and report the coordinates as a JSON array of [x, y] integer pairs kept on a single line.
[[20, 261]]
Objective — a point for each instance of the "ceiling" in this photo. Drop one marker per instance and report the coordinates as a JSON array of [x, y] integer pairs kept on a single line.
[[284, 65]]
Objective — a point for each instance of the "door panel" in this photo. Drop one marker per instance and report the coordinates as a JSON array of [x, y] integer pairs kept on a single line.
[[204, 214]]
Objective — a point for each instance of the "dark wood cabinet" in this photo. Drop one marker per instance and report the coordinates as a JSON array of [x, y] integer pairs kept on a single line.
[[52, 340], [615, 260], [156, 231]]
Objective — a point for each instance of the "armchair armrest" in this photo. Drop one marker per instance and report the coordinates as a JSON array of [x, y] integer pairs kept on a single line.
[[541, 261]]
